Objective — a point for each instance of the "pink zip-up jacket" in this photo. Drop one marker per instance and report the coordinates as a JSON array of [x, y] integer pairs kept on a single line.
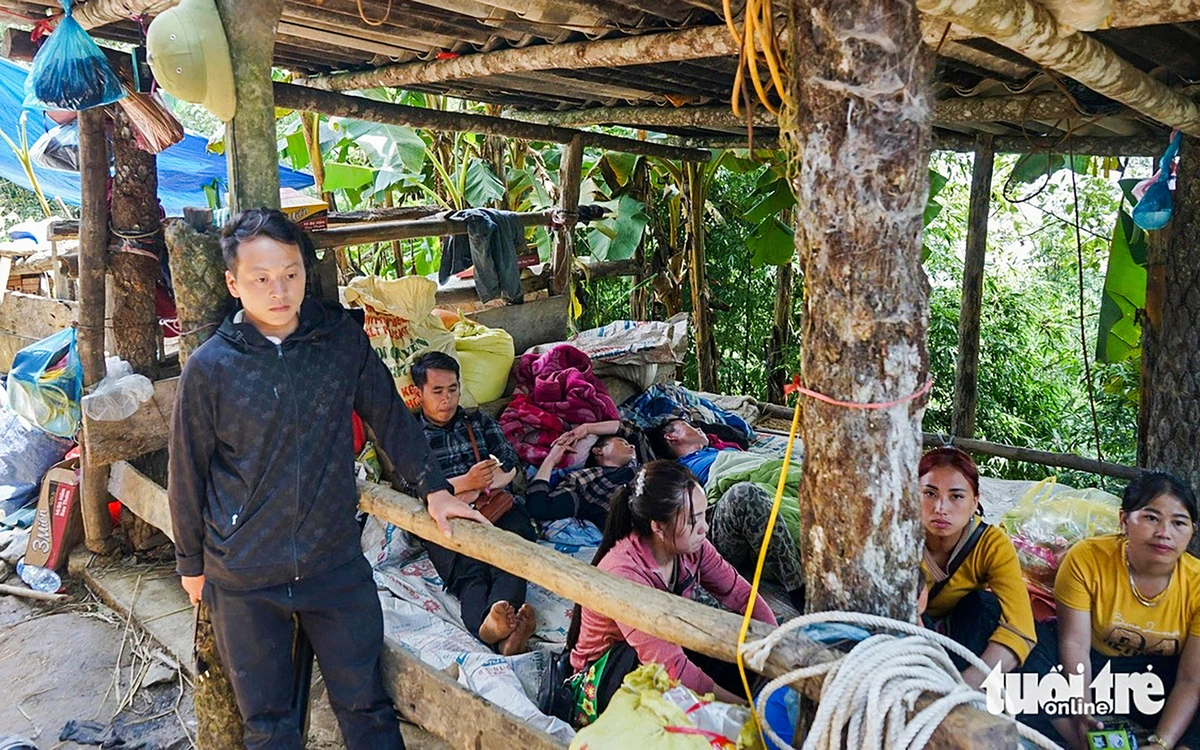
[[631, 559]]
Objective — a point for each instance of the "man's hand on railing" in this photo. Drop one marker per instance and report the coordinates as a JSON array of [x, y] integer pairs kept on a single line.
[[443, 506]]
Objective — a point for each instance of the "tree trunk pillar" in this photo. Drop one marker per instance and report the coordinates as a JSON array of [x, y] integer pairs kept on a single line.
[[570, 181], [93, 253], [702, 328], [862, 120], [1172, 419], [250, 144], [1156, 251], [136, 265], [966, 375]]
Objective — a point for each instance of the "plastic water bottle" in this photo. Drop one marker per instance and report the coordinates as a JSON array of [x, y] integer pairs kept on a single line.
[[39, 579]]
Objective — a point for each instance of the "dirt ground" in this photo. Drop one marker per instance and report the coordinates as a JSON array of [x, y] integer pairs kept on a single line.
[[82, 661], [59, 663]]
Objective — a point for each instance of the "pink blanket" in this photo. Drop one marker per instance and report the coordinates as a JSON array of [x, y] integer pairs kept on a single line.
[[555, 391]]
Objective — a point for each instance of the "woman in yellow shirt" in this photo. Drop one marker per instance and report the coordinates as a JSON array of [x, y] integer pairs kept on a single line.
[[976, 594], [1132, 601]]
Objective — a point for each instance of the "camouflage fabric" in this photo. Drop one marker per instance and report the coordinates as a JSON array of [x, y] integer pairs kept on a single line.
[[736, 525]]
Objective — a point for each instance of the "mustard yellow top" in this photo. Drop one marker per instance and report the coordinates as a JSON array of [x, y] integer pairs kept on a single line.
[[1094, 578], [992, 565]]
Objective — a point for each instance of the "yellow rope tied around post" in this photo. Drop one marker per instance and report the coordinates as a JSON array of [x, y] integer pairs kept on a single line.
[[762, 558], [758, 30]]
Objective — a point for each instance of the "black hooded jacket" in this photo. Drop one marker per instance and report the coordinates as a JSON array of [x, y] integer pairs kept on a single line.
[[261, 482]]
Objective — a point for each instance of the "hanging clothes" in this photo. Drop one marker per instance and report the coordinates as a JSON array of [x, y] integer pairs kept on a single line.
[[492, 242]]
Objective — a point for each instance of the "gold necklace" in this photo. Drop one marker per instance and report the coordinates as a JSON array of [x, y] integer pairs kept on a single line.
[[1137, 594]]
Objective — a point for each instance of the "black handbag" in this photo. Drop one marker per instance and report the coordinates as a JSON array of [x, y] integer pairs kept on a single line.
[[555, 697]]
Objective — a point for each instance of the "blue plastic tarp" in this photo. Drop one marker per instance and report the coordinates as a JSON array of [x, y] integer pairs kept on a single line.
[[183, 169]]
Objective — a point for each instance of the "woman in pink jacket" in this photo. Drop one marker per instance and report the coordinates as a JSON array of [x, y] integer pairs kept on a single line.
[[655, 536]]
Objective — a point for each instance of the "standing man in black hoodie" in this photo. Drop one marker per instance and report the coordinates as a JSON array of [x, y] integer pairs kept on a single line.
[[263, 494]]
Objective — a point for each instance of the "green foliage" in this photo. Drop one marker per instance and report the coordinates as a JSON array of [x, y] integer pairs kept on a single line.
[[1032, 385]]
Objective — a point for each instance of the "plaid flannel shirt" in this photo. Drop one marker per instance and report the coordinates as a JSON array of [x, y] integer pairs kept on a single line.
[[452, 446], [594, 484]]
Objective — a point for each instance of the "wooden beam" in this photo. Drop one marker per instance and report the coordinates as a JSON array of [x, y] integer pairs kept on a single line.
[[1033, 456], [1030, 29], [383, 231], [1048, 106], [1147, 145], [93, 250], [141, 495], [703, 629], [292, 96], [570, 177], [251, 151], [440, 705], [402, 213], [966, 374], [144, 431], [670, 46]]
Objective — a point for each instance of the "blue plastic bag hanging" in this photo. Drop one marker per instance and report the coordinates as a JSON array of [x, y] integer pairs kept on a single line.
[[1154, 209], [70, 71], [45, 384]]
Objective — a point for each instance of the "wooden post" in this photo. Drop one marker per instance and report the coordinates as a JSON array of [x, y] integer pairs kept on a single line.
[[570, 178], [781, 333], [135, 266], [861, 97], [93, 249], [1157, 244], [702, 331], [1172, 420], [250, 146], [966, 376]]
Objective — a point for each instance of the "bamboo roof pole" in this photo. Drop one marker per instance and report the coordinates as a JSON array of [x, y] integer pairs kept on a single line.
[[1138, 145], [670, 46], [1030, 29], [1039, 107], [361, 108]]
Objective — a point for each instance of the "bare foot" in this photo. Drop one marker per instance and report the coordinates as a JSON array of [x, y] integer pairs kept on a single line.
[[518, 641], [500, 623]]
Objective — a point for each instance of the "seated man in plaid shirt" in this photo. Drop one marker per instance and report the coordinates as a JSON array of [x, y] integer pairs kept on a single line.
[[584, 493], [475, 457]]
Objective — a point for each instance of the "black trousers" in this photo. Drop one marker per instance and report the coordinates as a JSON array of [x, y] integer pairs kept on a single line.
[[339, 612], [478, 585], [971, 623]]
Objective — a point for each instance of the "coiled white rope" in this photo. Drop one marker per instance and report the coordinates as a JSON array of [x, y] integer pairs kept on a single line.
[[868, 693]]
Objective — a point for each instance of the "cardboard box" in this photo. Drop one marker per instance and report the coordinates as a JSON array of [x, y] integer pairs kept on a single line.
[[58, 522], [310, 213]]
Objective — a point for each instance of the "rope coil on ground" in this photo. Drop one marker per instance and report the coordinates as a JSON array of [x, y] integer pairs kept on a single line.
[[868, 693]]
